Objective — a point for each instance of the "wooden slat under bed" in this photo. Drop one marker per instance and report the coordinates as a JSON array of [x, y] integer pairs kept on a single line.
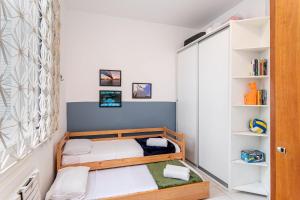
[[193, 191]]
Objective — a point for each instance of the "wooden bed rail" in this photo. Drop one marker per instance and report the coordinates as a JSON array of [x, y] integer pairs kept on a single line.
[[177, 138], [119, 133]]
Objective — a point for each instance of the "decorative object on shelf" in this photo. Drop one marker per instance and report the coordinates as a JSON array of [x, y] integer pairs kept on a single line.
[[258, 126], [255, 96], [108, 98], [110, 77], [194, 38], [235, 17], [253, 156], [259, 67], [251, 97], [141, 90]]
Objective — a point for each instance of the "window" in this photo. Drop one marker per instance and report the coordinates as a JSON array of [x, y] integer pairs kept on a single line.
[[29, 76]]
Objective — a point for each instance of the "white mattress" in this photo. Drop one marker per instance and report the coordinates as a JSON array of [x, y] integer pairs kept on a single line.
[[119, 181], [107, 150], [122, 181], [110, 150]]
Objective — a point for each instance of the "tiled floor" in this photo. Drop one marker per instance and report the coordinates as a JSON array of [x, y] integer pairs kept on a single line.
[[218, 192]]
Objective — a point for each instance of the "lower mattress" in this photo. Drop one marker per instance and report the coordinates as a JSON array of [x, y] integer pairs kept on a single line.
[[121, 181]]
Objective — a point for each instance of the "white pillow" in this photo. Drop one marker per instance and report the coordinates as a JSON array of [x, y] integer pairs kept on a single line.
[[157, 142], [78, 147], [70, 184]]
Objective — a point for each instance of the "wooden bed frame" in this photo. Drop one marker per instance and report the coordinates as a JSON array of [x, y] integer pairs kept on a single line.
[[194, 191], [178, 138]]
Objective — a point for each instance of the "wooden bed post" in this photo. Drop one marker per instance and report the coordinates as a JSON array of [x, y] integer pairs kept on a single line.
[[165, 131], [183, 147], [179, 140], [119, 134], [59, 150]]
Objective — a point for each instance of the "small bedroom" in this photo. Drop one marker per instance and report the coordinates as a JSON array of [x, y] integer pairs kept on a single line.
[[149, 99]]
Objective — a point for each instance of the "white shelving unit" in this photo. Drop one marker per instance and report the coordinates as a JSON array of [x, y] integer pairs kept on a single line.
[[251, 106], [250, 39], [256, 188], [248, 133], [241, 162], [250, 77]]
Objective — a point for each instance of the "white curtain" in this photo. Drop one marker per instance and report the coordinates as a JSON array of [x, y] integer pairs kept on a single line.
[[29, 76]]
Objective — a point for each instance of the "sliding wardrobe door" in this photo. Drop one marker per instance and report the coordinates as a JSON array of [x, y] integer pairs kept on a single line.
[[214, 105], [187, 99]]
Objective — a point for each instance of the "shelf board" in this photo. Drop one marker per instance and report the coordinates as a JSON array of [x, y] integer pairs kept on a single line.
[[251, 106], [249, 133], [253, 49], [250, 77], [241, 162], [258, 21], [255, 188]]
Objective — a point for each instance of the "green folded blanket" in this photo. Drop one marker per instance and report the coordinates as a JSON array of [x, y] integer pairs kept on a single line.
[[157, 171]]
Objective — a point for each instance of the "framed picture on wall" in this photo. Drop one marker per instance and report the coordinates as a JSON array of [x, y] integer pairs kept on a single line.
[[110, 98], [110, 77], [141, 90]]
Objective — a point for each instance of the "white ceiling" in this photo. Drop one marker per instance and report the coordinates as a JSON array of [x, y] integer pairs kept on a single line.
[[185, 13]]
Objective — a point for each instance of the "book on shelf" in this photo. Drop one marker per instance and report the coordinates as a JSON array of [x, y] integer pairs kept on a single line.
[[259, 67], [262, 97]]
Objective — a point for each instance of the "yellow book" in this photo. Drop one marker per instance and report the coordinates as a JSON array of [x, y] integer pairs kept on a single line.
[[258, 99]]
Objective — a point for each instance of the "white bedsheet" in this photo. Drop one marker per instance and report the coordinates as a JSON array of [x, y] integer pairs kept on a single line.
[[110, 150], [119, 181], [107, 150]]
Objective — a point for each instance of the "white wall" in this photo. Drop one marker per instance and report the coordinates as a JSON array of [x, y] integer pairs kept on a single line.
[[145, 52], [245, 9]]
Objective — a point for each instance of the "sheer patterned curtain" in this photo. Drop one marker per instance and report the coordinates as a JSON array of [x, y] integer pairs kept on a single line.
[[29, 76]]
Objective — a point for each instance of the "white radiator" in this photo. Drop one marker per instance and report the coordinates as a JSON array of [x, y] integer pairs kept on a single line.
[[30, 190]]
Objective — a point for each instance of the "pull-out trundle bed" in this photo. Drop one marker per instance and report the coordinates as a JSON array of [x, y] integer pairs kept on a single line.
[[140, 182], [131, 178]]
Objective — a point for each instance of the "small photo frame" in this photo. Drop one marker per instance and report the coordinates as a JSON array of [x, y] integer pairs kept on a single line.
[[110, 98], [110, 77], [141, 90]]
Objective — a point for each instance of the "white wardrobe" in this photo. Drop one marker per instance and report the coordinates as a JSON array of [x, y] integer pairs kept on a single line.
[[203, 102]]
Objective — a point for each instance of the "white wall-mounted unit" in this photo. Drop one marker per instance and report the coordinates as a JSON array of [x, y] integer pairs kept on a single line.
[[211, 85], [250, 39]]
